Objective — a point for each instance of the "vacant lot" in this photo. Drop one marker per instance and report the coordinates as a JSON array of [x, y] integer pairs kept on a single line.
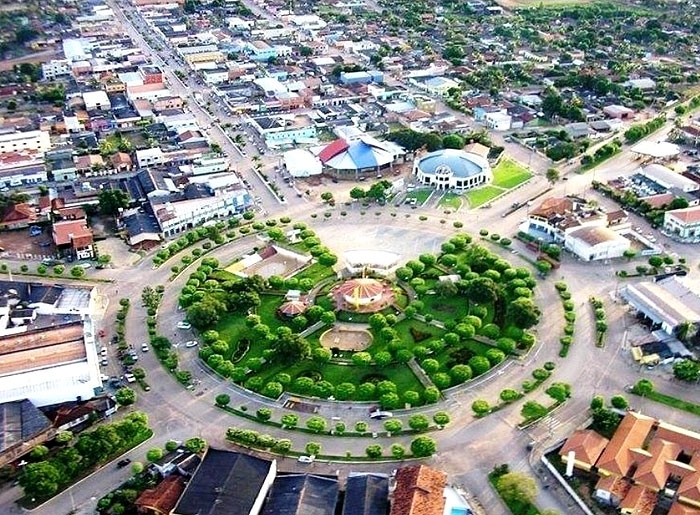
[[509, 174]]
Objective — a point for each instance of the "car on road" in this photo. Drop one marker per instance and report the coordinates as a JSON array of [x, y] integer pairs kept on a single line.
[[130, 378], [35, 231], [184, 325], [191, 343], [306, 459], [144, 347], [104, 362], [380, 415], [85, 265], [123, 463]]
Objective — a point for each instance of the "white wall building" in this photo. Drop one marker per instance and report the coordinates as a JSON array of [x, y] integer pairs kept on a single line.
[[96, 100], [150, 157], [498, 121], [15, 141], [55, 68], [595, 243]]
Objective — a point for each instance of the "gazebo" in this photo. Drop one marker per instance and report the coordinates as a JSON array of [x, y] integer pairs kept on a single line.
[[292, 308]]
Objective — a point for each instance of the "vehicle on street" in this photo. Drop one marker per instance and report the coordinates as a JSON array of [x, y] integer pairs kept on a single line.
[[104, 362], [85, 265], [123, 463], [130, 378], [103, 352], [34, 230], [144, 347], [184, 325], [380, 415], [191, 343], [306, 459]]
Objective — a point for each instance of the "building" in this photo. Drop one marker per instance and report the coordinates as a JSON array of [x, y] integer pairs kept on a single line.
[[451, 169], [419, 491], [74, 238], [300, 162], [161, 499], [302, 494], [683, 223], [16, 141], [150, 157], [287, 130], [47, 343], [498, 120], [594, 243], [379, 262], [24, 427], [227, 482], [55, 68], [96, 100], [644, 461], [667, 178], [366, 494], [666, 303], [354, 158]]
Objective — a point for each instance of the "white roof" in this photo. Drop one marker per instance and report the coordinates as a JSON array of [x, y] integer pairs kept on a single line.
[[668, 178], [96, 97], [148, 152], [371, 258], [270, 84], [302, 163], [323, 61], [131, 78], [656, 149]]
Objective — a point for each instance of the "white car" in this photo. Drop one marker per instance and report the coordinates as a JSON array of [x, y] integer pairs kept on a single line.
[[306, 459], [130, 378], [191, 343], [184, 325], [144, 347]]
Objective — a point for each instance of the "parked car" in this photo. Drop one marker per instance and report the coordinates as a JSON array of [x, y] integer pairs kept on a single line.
[[191, 343], [144, 347], [123, 463], [130, 378], [34, 230], [104, 362], [184, 325], [380, 415], [306, 459], [85, 265]]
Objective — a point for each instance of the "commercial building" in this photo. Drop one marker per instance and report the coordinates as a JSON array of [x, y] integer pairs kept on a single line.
[[47, 343], [594, 243], [16, 141], [683, 223]]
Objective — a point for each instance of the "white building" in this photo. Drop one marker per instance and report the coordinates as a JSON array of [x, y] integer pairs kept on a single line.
[[300, 162], [498, 121], [211, 163], [55, 68], [380, 262], [667, 178], [150, 157], [683, 223], [46, 361], [96, 100], [15, 141], [451, 169], [595, 243]]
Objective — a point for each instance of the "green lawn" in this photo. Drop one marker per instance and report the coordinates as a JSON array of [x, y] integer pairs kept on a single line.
[[445, 308], [674, 402], [483, 195], [420, 195], [451, 201], [268, 310], [316, 272], [508, 174]]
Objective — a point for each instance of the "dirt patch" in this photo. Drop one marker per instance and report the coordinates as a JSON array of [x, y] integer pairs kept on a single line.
[[20, 245], [346, 338]]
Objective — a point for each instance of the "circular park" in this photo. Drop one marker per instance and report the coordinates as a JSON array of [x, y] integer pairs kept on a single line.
[[323, 332]]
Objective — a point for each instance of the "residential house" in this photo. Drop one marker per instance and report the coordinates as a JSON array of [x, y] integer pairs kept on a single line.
[[19, 216], [366, 494], [88, 163], [150, 157], [285, 130], [162, 498], [96, 101], [62, 165], [74, 238], [302, 494], [498, 120], [231, 481], [419, 491], [646, 459], [584, 447], [121, 162], [21, 168]]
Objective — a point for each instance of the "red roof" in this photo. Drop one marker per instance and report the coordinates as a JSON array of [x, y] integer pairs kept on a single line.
[[66, 232], [419, 491], [333, 149], [164, 496]]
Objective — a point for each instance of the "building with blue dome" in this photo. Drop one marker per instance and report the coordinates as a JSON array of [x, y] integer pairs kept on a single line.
[[451, 169]]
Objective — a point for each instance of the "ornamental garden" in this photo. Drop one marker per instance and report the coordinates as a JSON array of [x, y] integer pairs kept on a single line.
[[287, 318]]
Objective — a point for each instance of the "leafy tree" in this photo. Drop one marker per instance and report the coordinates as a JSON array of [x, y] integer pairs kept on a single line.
[[418, 422], [313, 448], [431, 395], [316, 424], [195, 444], [125, 396], [509, 395], [263, 414], [552, 175], [111, 201], [398, 451], [430, 365], [411, 397], [222, 399], [154, 454], [344, 391], [423, 446], [361, 358], [619, 402], [523, 312], [532, 410], [392, 425], [461, 373], [517, 488], [643, 387], [479, 365], [357, 193], [374, 451], [559, 391], [453, 141], [40, 480], [206, 312], [597, 402], [289, 420], [273, 389], [480, 407], [441, 418], [63, 437], [686, 370]]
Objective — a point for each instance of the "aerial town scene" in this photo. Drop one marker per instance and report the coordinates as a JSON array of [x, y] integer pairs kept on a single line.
[[349, 257]]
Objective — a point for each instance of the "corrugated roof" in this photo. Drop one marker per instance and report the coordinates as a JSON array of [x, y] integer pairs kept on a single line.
[[302, 494], [366, 494], [20, 421]]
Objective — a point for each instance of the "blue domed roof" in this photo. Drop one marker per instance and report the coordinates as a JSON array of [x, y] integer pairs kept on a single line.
[[461, 164]]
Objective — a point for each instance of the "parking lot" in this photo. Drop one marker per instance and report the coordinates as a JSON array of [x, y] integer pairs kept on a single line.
[[20, 245]]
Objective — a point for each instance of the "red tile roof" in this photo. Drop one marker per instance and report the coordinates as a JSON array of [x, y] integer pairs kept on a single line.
[[588, 446], [631, 434], [19, 213], [163, 497], [419, 491], [67, 231]]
